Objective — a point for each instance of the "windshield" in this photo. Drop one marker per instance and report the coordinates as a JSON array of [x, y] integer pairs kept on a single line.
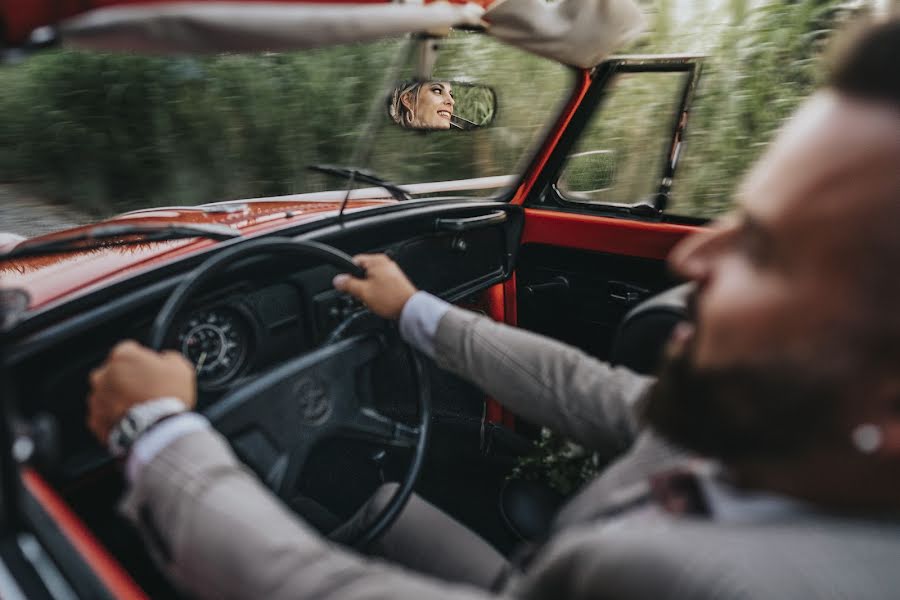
[[98, 134]]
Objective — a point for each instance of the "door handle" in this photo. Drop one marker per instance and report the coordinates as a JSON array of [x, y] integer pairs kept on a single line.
[[625, 294], [557, 284], [468, 223]]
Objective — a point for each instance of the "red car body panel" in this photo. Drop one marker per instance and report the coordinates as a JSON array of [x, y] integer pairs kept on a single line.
[[580, 89], [603, 234], [55, 278], [107, 569]]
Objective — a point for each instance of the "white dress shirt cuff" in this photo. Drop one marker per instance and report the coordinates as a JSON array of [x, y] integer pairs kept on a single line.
[[419, 321], [147, 446]]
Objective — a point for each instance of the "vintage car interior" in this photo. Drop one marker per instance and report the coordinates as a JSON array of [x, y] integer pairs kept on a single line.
[[270, 337], [270, 306], [259, 313], [571, 276]]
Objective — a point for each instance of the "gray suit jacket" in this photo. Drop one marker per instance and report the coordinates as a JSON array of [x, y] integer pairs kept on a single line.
[[221, 534]]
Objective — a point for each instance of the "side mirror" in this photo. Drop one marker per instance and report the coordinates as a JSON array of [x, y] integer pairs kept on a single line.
[[435, 105], [589, 173]]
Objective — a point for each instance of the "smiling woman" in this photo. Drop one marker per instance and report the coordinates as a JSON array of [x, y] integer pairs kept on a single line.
[[423, 105], [435, 105]]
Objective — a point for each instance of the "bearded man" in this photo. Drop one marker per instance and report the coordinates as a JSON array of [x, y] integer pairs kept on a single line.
[[762, 464]]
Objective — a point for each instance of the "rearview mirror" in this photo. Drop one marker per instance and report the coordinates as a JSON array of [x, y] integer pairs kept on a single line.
[[440, 104], [589, 173]]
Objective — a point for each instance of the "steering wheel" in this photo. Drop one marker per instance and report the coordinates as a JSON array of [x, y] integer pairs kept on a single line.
[[275, 420]]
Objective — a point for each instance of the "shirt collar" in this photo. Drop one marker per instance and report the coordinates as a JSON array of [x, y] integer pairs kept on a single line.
[[729, 504]]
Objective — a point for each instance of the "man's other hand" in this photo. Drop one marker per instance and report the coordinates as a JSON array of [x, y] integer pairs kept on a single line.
[[385, 289], [131, 375]]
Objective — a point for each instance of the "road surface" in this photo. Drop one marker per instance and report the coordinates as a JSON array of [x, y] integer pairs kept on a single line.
[[24, 214]]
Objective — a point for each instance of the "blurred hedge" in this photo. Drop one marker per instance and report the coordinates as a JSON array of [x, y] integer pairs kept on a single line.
[[118, 131], [113, 132], [755, 77]]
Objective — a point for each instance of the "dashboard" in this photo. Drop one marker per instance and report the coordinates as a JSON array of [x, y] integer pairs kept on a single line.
[[262, 312]]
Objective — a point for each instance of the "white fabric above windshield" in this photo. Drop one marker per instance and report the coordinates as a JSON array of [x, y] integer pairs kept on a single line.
[[575, 32], [211, 27]]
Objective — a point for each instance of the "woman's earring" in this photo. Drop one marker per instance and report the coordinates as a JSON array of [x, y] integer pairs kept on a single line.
[[867, 438]]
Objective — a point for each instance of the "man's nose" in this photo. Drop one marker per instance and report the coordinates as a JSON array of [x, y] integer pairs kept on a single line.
[[693, 257]]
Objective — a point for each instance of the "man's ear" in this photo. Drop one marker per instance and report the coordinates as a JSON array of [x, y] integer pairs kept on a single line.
[[887, 419], [890, 440]]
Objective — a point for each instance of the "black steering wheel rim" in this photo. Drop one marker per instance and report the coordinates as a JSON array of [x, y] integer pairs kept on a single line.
[[165, 318], [222, 260]]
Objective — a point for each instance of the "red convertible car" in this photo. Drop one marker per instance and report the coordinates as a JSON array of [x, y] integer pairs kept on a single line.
[[549, 221]]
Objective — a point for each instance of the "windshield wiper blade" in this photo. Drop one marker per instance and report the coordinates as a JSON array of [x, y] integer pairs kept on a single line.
[[362, 175], [107, 236]]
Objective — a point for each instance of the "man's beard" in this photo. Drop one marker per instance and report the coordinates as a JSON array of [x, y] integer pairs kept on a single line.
[[772, 409]]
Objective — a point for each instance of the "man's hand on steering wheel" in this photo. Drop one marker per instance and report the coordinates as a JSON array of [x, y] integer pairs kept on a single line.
[[133, 374], [293, 405], [385, 290]]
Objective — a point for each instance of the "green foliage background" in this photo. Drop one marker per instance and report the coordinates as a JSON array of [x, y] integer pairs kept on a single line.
[[633, 139], [114, 132], [475, 103], [761, 61], [762, 65]]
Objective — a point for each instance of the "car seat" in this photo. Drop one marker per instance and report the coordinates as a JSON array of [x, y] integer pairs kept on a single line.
[[643, 333]]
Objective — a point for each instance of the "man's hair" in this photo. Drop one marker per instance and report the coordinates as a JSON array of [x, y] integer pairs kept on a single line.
[[866, 63]]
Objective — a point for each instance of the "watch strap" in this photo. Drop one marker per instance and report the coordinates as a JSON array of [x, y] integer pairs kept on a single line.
[[138, 420]]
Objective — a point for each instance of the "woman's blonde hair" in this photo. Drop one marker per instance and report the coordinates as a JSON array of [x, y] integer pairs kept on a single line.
[[403, 115]]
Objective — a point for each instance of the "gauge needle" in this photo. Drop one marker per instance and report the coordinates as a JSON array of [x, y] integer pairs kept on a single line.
[[201, 361]]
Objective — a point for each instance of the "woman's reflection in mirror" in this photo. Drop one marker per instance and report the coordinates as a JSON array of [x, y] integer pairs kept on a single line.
[[423, 105]]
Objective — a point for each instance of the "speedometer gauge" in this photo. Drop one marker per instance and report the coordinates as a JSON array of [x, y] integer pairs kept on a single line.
[[216, 342]]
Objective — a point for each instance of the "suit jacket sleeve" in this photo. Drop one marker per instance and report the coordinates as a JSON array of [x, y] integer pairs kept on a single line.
[[220, 534], [542, 380]]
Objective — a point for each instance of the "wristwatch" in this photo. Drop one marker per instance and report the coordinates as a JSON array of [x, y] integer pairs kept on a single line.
[[139, 419]]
